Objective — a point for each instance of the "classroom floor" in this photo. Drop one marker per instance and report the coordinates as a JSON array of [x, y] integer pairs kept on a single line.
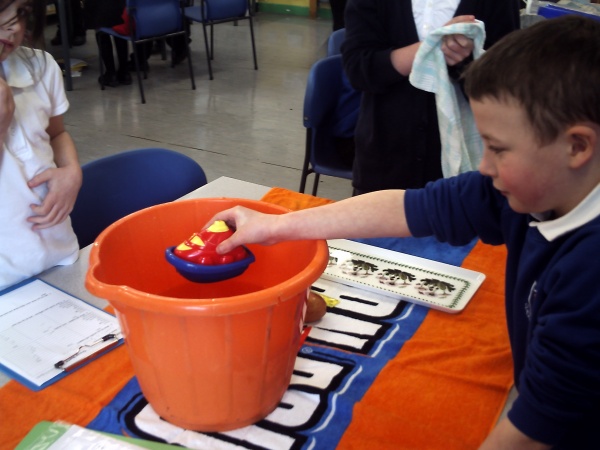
[[244, 124]]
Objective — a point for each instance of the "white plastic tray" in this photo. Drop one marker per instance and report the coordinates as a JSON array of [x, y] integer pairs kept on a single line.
[[417, 280]]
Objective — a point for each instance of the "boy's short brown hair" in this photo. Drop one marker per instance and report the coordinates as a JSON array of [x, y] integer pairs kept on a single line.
[[551, 69]]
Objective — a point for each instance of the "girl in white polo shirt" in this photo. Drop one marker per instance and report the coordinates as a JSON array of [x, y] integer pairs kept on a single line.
[[40, 174]]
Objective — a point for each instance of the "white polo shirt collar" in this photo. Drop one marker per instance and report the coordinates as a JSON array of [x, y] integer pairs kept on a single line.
[[16, 72], [583, 213]]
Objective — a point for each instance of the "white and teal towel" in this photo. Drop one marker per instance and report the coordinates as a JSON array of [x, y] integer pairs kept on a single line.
[[461, 143]]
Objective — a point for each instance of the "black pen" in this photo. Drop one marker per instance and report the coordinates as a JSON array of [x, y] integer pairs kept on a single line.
[[60, 364]]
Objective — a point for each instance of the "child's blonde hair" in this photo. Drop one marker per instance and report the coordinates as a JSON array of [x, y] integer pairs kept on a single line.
[[551, 69]]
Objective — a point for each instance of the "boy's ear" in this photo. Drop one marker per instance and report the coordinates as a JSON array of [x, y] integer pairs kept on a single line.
[[584, 144]]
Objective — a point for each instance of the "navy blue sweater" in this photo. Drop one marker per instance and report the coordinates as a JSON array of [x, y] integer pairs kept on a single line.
[[552, 304]]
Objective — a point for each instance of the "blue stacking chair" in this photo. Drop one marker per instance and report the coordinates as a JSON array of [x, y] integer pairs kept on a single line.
[[213, 12], [117, 185], [334, 43], [152, 20], [327, 91]]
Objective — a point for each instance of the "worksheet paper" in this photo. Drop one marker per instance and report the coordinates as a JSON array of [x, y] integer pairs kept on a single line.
[[41, 325]]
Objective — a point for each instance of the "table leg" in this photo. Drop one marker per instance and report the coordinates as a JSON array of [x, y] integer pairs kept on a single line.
[[312, 8], [64, 35]]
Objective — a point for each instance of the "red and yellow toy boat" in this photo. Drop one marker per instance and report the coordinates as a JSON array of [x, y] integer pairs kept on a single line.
[[201, 248], [197, 259]]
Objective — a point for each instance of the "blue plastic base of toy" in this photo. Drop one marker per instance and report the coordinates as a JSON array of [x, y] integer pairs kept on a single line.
[[200, 273]]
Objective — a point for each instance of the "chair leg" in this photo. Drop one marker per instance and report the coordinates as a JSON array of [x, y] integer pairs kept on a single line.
[[210, 74], [189, 58], [253, 45], [136, 58], [305, 170], [100, 63], [302, 183], [212, 41], [162, 44], [143, 54], [315, 184]]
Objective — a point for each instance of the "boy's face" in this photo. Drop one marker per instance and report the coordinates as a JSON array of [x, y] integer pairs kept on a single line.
[[533, 178]]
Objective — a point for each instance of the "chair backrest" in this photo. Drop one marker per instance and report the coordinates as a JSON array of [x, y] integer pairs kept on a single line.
[[327, 89], [334, 43], [155, 17], [328, 94], [117, 185], [224, 9]]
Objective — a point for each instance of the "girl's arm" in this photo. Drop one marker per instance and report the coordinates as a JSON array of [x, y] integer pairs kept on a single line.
[[7, 109], [377, 214], [63, 181]]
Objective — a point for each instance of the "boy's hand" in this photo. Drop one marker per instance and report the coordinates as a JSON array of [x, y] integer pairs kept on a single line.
[[457, 47], [63, 186], [251, 227]]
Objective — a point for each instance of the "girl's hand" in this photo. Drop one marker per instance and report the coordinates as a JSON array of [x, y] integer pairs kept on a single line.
[[63, 186], [63, 181], [457, 47], [7, 108]]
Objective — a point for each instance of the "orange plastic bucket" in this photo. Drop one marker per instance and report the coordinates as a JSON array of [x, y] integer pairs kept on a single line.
[[214, 356]]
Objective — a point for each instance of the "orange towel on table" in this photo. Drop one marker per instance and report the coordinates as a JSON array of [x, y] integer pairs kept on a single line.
[[411, 406], [76, 399], [293, 200]]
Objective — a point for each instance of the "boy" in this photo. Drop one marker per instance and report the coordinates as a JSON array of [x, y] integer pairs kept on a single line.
[[535, 96]]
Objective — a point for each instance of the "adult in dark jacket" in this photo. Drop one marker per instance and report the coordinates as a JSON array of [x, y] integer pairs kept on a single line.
[[337, 13], [397, 138]]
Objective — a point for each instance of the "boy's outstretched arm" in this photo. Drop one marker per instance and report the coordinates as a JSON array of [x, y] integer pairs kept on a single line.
[[63, 182], [377, 214], [507, 437]]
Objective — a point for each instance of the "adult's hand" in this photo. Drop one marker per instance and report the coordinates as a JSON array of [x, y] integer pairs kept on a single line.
[[457, 47]]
